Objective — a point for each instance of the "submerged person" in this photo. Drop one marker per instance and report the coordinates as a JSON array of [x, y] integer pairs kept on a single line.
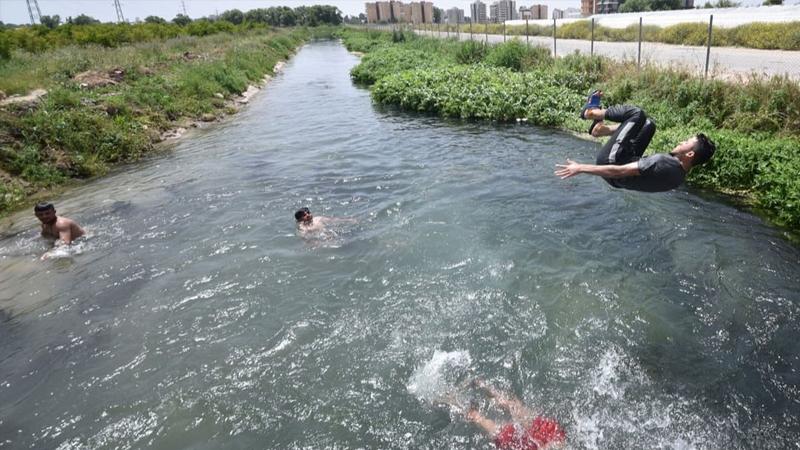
[[620, 163], [526, 430], [57, 229]]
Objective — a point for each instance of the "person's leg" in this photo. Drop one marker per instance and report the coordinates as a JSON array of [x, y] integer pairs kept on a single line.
[[644, 137], [619, 148], [519, 412], [486, 424]]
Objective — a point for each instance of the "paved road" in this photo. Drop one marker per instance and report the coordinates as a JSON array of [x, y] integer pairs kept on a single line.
[[725, 62]]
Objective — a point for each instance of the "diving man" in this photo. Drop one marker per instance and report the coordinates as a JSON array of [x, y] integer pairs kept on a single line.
[[620, 163]]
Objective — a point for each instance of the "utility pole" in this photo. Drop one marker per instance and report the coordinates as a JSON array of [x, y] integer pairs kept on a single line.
[[118, 8], [38, 15], [183, 4]]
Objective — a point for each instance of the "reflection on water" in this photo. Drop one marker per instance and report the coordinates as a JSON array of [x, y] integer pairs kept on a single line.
[[197, 316]]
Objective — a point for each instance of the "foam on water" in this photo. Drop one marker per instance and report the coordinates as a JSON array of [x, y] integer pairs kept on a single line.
[[437, 377]]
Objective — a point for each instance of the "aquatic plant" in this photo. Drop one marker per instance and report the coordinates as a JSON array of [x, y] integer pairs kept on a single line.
[[388, 60]]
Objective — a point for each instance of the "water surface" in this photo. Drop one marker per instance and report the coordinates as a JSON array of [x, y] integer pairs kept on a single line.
[[196, 316]]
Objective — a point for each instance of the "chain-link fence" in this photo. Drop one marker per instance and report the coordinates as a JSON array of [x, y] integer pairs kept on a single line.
[[703, 48]]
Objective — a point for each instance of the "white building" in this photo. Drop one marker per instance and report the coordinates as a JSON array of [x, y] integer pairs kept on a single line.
[[503, 10], [477, 11]]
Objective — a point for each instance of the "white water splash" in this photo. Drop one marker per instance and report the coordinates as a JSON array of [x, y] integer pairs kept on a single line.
[[435, 378]]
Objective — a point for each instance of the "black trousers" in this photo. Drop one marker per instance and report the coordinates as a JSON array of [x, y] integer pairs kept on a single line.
[[630, 140]]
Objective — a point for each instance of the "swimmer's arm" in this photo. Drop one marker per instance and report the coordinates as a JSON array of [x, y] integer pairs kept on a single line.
[[607, 171], [65, 236]]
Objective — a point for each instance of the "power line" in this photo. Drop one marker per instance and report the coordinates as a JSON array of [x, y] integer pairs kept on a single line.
[[118, 8], [38, 15], [183, 4]]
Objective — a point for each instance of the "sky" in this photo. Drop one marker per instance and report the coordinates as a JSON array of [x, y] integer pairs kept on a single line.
[[16, 11]]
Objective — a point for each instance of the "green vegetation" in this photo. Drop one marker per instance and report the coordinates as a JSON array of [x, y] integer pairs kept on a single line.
[[149, 88], [756, 125], [783, 36], [84, 30]]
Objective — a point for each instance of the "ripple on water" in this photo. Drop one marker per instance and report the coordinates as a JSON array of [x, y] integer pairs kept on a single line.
[[198, 317]]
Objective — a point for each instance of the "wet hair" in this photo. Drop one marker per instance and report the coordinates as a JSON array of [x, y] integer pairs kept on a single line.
[[703, 150], [298, 216], [43, 206]]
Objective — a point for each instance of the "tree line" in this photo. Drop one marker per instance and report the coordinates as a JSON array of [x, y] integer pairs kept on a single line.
[[276, 16], [84, 29]]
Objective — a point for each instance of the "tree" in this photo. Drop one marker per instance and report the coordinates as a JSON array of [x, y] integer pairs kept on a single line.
[[154, 19], [437, 15], [83, 19], [772, 2], [726, 4], [233, 16], [650, 5], [182, 20], [50, 21], [5, 45]]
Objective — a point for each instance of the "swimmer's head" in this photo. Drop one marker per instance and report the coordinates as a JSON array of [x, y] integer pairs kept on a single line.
[[45, 212], [303, 215], [703, 150], [697, 149], [43, 206]]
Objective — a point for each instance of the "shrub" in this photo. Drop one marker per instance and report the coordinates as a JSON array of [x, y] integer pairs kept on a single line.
[[389, 60], [478, 92], [470, 52], [5, 46], [511, 54]]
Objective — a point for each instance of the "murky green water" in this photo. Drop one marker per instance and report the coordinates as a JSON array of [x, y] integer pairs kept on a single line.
[[196, 317]]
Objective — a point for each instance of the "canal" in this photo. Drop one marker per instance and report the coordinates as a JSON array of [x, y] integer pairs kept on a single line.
[[196, 315]]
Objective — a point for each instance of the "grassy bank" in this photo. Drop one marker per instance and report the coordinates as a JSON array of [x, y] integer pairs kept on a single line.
[[769, 36], [756, 125], [76, 132]]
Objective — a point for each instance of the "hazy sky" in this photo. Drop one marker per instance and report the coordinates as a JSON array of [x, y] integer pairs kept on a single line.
[[16, 11]]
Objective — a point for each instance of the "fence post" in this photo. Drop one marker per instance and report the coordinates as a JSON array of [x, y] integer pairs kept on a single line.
[[527, 34], [486, 30], [458, 30], [447, 29], [708, 47], [592, 48], [639, 58], [504, 31], [470, 29], [554, 37]]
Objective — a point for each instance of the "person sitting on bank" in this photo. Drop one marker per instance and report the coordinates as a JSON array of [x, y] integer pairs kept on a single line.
[[620, 163], [54, 228]]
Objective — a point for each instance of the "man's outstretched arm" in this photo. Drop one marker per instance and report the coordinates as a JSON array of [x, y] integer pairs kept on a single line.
[[571, 168]]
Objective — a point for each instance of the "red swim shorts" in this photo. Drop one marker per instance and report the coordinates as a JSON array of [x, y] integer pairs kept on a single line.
[[539, 434]]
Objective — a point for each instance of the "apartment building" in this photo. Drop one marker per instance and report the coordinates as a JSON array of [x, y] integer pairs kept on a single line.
[[396, 11], [503, 10], [454, 15], [477, 11]]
